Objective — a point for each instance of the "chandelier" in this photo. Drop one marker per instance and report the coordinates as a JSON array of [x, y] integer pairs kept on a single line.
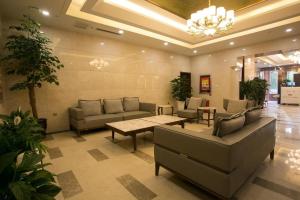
[[210, 20], [295, 57]]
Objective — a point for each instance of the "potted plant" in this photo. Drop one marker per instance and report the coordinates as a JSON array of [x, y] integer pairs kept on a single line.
[[255, 90], [30, 56], [181, 90], [22, 172]]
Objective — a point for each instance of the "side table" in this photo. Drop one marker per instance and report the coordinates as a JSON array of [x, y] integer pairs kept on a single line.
[[207, 110], [160, 109]]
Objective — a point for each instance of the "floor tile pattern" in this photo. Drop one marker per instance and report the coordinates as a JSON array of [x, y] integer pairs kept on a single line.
[[124, 174]]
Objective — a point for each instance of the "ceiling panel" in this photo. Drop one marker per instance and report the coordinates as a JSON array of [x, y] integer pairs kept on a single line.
[[184, 8]]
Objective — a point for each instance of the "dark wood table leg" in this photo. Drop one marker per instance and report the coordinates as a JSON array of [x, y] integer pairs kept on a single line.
[[113, 135], [158, 111], [208, 118], [182, 124], [172, 110], [134, 141], [198, 116]]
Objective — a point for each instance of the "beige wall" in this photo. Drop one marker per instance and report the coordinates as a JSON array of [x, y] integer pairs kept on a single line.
[[224, 78], [129, 72]]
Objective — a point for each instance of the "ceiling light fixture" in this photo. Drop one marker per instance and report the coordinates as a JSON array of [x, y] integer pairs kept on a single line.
[[210, 20], [244, 49], [195, 51], [231, 43], [45, 12], [288, 30], [166, 43], [294, 40], [121, 32]]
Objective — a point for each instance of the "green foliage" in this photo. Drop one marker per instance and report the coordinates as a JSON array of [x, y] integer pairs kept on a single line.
[[22, 172], [181, 88], [255, 90], [30, 56], [285, 82], [20, 132]]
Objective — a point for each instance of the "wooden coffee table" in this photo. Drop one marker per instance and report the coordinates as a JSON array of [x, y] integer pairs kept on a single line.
[[136, 126]]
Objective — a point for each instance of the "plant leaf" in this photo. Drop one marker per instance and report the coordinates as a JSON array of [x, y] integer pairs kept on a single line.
[[7, 159], [49, 189], [21, 190]]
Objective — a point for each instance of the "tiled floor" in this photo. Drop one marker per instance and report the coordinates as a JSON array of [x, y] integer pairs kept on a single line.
[[92, 167]]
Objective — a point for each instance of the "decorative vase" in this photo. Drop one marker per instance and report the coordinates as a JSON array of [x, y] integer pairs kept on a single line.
[[180, 105]]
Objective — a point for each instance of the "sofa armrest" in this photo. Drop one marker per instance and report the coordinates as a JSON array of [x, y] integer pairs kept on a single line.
[[149, 107], [76, 113]]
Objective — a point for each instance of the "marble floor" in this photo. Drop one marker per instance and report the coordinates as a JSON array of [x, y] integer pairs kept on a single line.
[[92, 167]]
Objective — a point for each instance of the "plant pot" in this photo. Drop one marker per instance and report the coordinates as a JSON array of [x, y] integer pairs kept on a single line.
[[180, 105], [43, 124]]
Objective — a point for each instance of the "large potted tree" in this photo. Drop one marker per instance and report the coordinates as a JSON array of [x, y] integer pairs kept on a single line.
[[181, 90], [255, 90], [29, 56]]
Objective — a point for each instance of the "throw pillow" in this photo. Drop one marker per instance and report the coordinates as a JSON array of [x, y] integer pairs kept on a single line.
[[228, 125], [252, 115], [112, 106], [90, 107], [131, 104], [194, 103], [236, 106]]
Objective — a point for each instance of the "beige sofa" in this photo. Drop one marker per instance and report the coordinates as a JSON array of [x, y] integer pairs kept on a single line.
[[219, 165], [92, 114]]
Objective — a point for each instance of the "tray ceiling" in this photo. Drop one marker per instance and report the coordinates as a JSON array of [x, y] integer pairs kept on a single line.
[[184, 8]]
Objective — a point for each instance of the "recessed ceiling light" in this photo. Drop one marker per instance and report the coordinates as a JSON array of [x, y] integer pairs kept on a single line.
[[171, 57], [121, 32], [166, 43], [244, 49], [195, 51], [102, 43], [294, 40], [45, 12], [231, 43], [143, 51], [288, 30]]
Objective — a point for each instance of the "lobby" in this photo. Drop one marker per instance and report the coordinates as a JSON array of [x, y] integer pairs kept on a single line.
[[115, 124]]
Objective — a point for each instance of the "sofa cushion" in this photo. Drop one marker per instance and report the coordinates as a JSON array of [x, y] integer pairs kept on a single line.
[[252, 115], [236, 106], [228, 125], [131, 104], [191, 114], [112, 106], [194, 103], [90, 107], [136, 115], [100, 120]]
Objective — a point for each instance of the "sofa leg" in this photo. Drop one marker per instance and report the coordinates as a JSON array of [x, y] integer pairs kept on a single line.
[[272, 155], [78, 132], [156, 169]]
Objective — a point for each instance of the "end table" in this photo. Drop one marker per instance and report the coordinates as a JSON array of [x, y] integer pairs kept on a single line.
[[207, 110], [160, 109]]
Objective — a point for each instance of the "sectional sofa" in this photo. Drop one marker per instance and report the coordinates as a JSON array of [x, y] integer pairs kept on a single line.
[[92, 114], [218, 160]]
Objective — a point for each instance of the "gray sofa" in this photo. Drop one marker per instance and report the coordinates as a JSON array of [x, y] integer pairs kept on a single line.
[[92, 114], [219, 165]]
